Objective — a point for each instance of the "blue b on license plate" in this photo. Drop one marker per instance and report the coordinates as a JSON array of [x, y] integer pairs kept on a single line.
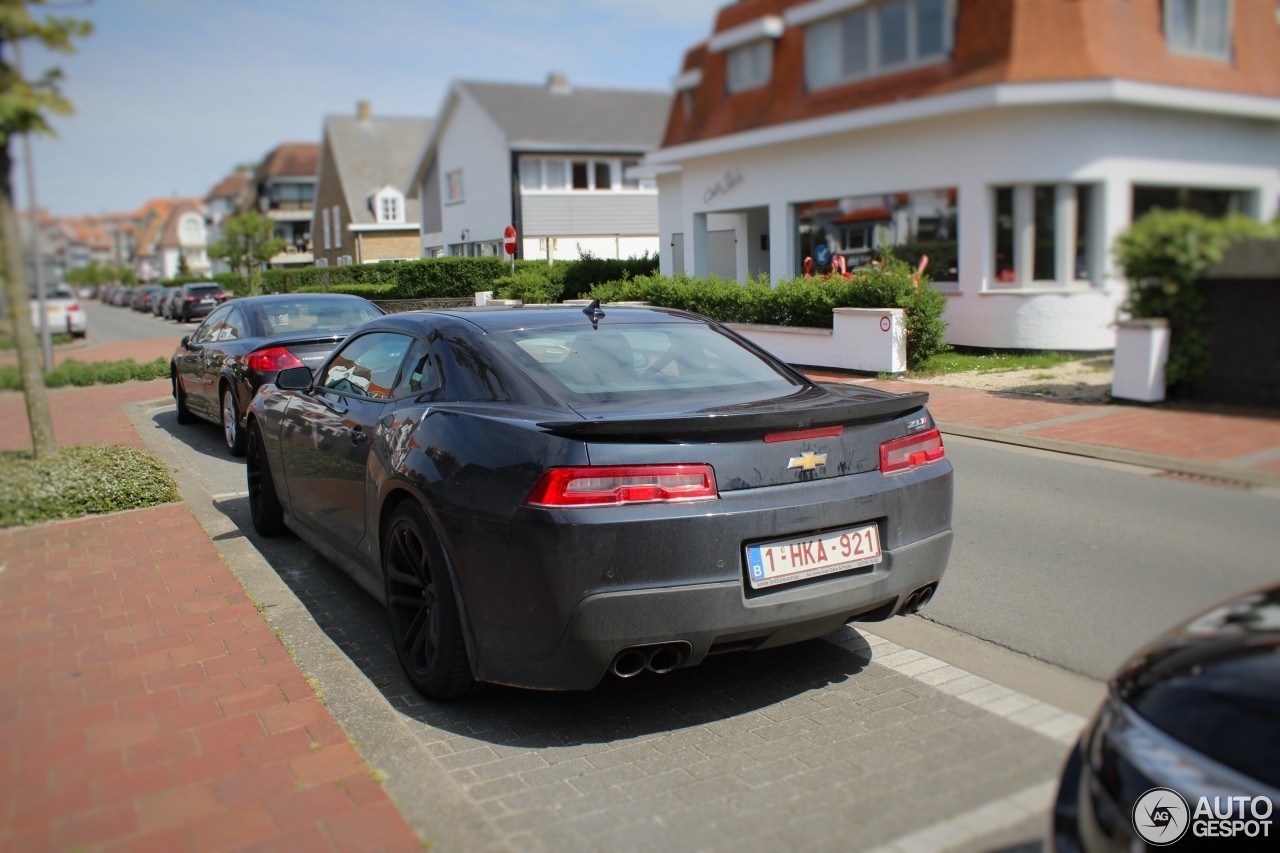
[[802, 557]]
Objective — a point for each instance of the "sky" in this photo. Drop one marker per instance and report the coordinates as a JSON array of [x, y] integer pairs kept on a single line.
[[171, 95]]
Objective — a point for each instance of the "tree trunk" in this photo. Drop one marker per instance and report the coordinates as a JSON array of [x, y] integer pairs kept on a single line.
[[15, 278]]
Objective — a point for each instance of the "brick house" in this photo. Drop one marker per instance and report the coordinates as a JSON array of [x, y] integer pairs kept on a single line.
[[283, 188], [363, 213], [1017, 137]]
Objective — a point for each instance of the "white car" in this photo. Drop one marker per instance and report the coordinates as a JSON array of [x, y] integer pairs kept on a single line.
[[66, 316]]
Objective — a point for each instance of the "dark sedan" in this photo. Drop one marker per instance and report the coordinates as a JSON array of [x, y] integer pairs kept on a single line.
[[1187, 745], [540, 497], [217, 369]]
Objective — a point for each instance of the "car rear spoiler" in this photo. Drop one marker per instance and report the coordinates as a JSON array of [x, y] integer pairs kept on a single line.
[[850, 410]]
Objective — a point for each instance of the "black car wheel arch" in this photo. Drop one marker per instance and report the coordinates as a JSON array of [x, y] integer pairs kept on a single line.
[[264, 504], [426, 628]]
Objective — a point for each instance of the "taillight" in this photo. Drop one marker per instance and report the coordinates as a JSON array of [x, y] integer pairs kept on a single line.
[[613, 486], [911, 451], [272, 359], [192, 298], [73, 307]]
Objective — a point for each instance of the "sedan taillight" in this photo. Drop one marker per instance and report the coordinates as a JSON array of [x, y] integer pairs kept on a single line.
[[911, 451], [613, 486], [272, 359]]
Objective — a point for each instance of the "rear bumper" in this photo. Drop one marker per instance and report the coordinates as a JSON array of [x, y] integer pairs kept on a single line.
[[716, 617]]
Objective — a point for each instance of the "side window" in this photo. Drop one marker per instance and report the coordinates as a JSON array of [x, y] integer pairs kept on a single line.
[[368, 365], [208, 328], [421, 372], [233, 326]]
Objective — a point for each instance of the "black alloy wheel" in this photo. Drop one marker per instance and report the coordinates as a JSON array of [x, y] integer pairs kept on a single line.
[[180, 400], [425, 627], [264, 504], [231, 430]]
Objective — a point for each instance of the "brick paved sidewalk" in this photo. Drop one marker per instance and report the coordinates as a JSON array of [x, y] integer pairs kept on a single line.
[[148, 349], [146, 704], [92, 415]]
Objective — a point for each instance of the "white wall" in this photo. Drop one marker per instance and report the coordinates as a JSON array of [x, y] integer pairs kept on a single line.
[[471, 142], [1110, 147], [605, 246]]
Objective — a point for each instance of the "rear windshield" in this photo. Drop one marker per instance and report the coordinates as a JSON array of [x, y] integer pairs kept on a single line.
[[318, 315], [643, 364], [201, 289]]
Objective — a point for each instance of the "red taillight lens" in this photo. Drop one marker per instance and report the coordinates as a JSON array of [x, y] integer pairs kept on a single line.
[[272, 359], [911, 451], [801, 434], [193, 298], [73, 307], [612, 486]]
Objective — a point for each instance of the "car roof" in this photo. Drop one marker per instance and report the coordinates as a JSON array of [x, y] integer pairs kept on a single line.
[[501, 319]]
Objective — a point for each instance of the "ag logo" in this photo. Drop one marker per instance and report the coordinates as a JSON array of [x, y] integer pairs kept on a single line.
[[1161, 816]]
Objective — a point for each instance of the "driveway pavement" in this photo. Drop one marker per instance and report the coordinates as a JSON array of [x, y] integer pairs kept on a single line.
[[146, 701]]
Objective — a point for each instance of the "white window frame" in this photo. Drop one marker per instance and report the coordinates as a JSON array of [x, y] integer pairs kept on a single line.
[[324, 215], [749, 66], [832, 28], [450, 196], [388, 197], [337, 227], [533, 170], [1199, 13], [1065, 233]]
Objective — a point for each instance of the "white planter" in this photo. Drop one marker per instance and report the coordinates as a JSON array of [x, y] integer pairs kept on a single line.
[[1142, 348]]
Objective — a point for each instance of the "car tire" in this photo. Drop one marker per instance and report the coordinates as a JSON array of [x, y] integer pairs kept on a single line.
[[229, 411], [264, 502], [180, 401], [426, 629]]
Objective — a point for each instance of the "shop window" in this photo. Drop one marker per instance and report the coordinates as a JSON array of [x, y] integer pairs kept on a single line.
[[862, 228], [1214, 203], [1042, 235], [749, 66], [1199, 27], [877, 39]]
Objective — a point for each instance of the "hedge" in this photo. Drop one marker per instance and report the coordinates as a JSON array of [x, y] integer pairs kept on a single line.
[[805, 302], [80, 373], [81, 480], [1163, 255]]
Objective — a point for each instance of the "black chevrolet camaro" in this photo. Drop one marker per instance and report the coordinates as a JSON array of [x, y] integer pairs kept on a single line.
[[540, 496], [216, 370]]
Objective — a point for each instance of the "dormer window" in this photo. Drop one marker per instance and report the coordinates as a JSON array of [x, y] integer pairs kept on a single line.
[[749, 66], [388, 206], [872, 39], [1199, 27]]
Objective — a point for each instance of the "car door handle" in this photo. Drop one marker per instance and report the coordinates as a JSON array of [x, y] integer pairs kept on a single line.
[[358, 437]]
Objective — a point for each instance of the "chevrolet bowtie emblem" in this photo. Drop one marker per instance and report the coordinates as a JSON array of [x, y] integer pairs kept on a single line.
[[807, 461]]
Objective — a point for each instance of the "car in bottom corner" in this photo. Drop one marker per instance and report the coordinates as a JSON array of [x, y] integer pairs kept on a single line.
[[541, 498], [243, 343], [1186, 746]]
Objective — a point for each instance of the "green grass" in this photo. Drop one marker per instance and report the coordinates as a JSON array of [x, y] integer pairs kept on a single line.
[[81, 480], [7, 342], [80, 373], [992, 362]]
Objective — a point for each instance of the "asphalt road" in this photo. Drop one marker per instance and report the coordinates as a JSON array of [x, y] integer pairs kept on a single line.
[[109, 324], [1079, 563]]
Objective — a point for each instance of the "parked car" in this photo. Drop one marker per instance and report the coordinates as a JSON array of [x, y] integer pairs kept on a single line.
[[217, 369], [65, 314], [143, 297], [160, 303], [195, 301], [541, 497], [1196, 714]]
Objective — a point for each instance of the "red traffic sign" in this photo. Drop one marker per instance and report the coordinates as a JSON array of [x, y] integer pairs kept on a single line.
[[509, 235]]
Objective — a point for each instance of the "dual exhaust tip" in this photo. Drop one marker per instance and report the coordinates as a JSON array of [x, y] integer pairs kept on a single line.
[[917, 599], [660, 659]]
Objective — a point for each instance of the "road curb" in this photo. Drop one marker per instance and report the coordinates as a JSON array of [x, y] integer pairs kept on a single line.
[[1175, 464]]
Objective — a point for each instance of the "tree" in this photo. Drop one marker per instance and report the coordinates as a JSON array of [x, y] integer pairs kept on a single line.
[[25, 105], [247, 245]]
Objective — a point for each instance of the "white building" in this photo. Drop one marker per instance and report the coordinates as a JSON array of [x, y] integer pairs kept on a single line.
[[553, 160], [1019, 141]]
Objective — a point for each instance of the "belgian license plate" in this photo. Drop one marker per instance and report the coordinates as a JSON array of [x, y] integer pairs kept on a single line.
[[208, 300], [802, 557]]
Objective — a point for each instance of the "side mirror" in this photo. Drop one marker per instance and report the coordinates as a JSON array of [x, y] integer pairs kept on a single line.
[[186, 341], [294, 379]]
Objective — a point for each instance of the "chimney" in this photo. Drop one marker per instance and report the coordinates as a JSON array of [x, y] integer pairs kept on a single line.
[[558, 83], [363, 111]]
